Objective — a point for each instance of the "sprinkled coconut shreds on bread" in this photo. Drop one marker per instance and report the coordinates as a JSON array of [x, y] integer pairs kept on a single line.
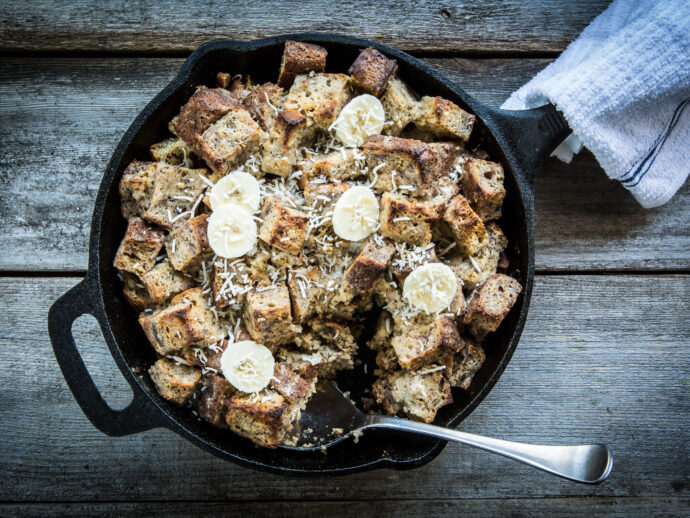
[[302, 290]]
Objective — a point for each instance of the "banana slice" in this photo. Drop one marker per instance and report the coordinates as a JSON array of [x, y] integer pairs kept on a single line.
[[430, 287], [231, 231], [248, 366], [237, 187], [356, 213], [362, 116]]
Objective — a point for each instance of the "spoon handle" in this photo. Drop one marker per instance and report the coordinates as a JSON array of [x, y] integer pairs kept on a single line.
[[590, 463]]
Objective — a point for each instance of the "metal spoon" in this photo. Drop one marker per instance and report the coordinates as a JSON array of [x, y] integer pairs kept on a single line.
[[330, 417]]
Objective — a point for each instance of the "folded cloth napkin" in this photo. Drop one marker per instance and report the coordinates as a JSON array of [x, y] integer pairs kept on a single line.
[[624, 87]]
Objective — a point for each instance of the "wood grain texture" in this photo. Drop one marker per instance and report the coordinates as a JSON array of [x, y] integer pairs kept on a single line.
[[176, 26], [60, 120], [617, 374], [469, 508]]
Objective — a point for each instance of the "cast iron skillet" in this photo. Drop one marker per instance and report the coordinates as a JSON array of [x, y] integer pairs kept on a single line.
[[519, 140]]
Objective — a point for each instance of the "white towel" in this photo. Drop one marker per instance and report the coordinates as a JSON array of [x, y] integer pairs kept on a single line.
[[624, 87]]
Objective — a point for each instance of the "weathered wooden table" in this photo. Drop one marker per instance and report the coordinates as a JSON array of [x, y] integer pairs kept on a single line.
[[604, 356]]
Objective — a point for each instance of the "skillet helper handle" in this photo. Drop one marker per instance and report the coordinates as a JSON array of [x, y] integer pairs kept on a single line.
[[137, 417], [588, 463]]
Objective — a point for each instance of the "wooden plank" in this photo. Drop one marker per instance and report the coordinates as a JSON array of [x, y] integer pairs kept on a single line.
[[60, 119], [177, 26], [479, 508], [615, 374]]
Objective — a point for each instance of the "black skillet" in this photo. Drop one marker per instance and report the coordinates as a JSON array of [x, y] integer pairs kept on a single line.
[[521, 141]]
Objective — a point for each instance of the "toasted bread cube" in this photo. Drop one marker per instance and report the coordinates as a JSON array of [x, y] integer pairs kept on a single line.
[[266, 419], [402, 262], [482, 185], [173, 151], [290, 384], [467, 228], [370, 264], [135, 292], [268, 317], [409, 166], [421, 345], [163, 282], [457, 306], [174, 382], [187, 242], [230, 282], [175, 192], [372, 70], [188, 320], [203, 108], [336, 166], [136, 188], [466, 364], [407, 220], [283, 227], [139, 248], [319, 97], [334, 348], [322, 197], [264, 103], [414, 394], [490, 304], [288, 134], [229, 141], [444, 118], [212, 403], [400, 105], [449, 157], [304, 292], [475, 269], [300, 58]]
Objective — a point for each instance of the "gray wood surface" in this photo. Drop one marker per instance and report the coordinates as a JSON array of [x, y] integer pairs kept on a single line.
[[60, 120], [178, 26], [468, 508], [617, 374]]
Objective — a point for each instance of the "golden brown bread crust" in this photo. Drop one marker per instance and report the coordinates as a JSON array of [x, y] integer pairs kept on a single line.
[[264, 103], [136, 188], [482, 185], [175, 192], [204, 107], [490, 304], [416, 395], [407, 220], [466, 364], [421, 345], [290, 130], [139, 248], [191, 242], [300, 58], [264, 420], [370, 264], [163, 282], [268, 317], [229, 141], [372, 70], [467, 228], [135, 292], [444, 118], [336, 166], [319, 97], [173, 381], [413, 162], [283, 227], [212, 402], [291, 385]]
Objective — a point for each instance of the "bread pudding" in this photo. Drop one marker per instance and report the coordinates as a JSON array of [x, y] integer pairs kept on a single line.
[[278, 218]]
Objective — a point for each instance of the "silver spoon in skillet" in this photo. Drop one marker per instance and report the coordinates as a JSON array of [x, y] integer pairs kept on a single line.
[[330, 417]]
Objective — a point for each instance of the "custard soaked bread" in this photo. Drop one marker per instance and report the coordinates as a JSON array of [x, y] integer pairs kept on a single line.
[[277, 218]]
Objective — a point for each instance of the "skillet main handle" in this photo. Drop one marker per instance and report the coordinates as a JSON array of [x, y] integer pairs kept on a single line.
[[531, 135], [138, 416]]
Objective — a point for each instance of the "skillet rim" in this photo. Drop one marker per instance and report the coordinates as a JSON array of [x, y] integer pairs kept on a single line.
[[491, 121]]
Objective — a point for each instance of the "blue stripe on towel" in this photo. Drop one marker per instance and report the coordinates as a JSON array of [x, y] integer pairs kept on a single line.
[[644, 166]]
